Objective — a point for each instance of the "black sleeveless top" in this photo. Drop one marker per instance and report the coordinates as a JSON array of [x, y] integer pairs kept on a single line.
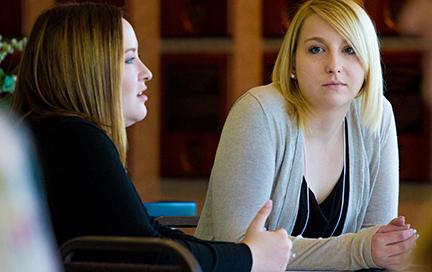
[[328, 218]]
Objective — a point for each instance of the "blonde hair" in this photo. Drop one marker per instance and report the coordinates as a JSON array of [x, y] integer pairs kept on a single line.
[[355, 26], [71, 66]]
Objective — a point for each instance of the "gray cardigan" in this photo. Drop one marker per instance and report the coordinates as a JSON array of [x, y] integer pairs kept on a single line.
[[260, 156]]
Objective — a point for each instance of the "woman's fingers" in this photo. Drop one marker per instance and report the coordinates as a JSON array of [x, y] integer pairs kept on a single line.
[[398, 221], [403, 247], [392, 237], [392, 228], [392, 249]]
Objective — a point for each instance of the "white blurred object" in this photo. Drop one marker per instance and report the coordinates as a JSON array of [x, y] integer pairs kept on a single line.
[[26, 241]]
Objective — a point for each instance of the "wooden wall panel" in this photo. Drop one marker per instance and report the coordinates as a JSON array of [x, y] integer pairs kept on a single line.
[[194, 18], [402, 76], [276, 16], [10, 19], [384, 13], [193, 112]]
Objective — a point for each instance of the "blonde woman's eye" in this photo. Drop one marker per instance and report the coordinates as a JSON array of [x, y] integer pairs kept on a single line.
[[315, 50], [349, 50], [129, 60]]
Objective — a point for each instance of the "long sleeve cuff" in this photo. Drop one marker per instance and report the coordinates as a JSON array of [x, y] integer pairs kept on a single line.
[[350, 251]]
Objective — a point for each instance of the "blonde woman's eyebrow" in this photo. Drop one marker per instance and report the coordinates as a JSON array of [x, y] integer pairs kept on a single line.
[[318, 39], [322, 40], [130, 50]]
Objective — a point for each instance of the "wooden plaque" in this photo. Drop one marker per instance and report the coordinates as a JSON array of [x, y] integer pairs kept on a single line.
[[402, 76], [269, 60], [193, 18], [277, 15], [193, 111], [385, 15], [118, 3], [10, 19]]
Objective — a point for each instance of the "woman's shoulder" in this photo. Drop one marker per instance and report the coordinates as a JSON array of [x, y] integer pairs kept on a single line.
[[387, 120], [386, 114], [266, 97], [62, 125], [387, 109], [67, 129], [59, 121], [267, 94], [265, 106]]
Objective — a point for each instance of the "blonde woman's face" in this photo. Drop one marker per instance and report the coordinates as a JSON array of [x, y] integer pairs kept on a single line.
[[135, 76], [328, 72]]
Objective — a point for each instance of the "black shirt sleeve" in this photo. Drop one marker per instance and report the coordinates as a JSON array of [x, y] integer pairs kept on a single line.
[[90, 193]]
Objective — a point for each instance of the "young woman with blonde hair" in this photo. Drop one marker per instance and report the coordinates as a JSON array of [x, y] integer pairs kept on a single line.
[[81, 82], [320, 141]]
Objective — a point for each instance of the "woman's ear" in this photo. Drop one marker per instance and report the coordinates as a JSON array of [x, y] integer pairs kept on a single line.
[[293, 72]]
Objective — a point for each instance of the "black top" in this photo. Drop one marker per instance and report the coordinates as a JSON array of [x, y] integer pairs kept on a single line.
[[90, 193], [324, 219]]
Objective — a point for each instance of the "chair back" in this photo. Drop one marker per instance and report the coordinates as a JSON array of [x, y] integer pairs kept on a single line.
[[105, 247]]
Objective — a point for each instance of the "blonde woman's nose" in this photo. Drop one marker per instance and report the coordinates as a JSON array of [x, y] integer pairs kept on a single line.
[[333, 64], [145, 73], [148, 74]]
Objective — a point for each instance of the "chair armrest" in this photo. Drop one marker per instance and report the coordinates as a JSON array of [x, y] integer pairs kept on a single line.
[[143, 245], [178, 221], [171, 208]]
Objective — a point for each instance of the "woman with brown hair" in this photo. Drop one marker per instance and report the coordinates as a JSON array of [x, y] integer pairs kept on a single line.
[[80, 84]]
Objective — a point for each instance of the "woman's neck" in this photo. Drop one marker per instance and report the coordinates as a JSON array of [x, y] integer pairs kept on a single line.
[[323, 152], [324, 127]]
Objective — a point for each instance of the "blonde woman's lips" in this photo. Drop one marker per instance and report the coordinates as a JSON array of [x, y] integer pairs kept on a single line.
[[142, 96]]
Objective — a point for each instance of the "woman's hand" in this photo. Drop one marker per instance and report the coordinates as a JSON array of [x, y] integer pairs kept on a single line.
[[393, 243], [271, 250]]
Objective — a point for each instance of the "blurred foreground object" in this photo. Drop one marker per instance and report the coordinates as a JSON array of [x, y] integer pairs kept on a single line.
[[26, 242]]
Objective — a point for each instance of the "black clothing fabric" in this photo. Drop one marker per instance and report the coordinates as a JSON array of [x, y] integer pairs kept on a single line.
[[90, 193], [322, 218]]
